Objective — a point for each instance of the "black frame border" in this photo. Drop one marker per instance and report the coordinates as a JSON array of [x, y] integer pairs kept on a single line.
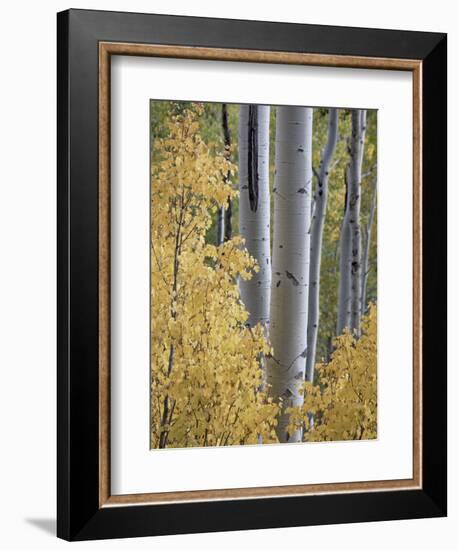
[[78, 514]]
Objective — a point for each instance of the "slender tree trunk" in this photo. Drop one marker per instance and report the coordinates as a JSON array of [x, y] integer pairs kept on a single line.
[[317, 226], [227, 222], [220, 226], [367, 246], [356, 160], [349, 312], [254, 208], [290, 261], [344, 308]]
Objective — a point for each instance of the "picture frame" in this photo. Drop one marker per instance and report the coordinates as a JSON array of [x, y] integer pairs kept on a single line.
[[86, 42]]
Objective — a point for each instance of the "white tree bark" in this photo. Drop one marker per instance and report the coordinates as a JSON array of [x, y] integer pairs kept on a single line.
[[355, 165], [317, 226], [254, 208], [344, 307], [349, 312], [367, 245], [290, 261], [220, 226]]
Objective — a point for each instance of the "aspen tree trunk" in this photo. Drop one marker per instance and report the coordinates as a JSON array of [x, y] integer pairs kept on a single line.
[[254, 208], [349, 312], [290, 261], [344, 308], [317, 226], [367, 245], [220, 226], [356, 160]]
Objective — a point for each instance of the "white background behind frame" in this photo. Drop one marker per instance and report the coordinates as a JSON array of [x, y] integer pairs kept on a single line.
[[134, 467]]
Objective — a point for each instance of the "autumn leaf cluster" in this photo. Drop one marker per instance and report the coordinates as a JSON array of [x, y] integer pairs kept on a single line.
[[343, 405], [206, 381]]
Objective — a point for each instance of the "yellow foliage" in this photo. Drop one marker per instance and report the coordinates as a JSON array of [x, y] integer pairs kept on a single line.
[[206, 377], [344, 403]]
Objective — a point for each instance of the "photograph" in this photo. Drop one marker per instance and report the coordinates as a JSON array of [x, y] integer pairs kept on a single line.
[[263, 234]]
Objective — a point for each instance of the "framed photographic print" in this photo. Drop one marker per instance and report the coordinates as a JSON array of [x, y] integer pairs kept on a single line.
[[252, 274]]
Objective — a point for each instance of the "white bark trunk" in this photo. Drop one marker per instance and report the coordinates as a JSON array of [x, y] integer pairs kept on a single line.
[[254, 208], [349, 313], [367, 245], [290, 261], [356, 160], [220, 226], [317, 226], [344, 309]]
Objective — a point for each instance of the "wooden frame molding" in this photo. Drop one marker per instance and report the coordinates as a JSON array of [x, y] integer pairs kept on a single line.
[[106, 50]]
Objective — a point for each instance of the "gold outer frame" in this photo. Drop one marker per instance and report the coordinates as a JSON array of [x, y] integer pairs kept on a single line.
[[106, 50]]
